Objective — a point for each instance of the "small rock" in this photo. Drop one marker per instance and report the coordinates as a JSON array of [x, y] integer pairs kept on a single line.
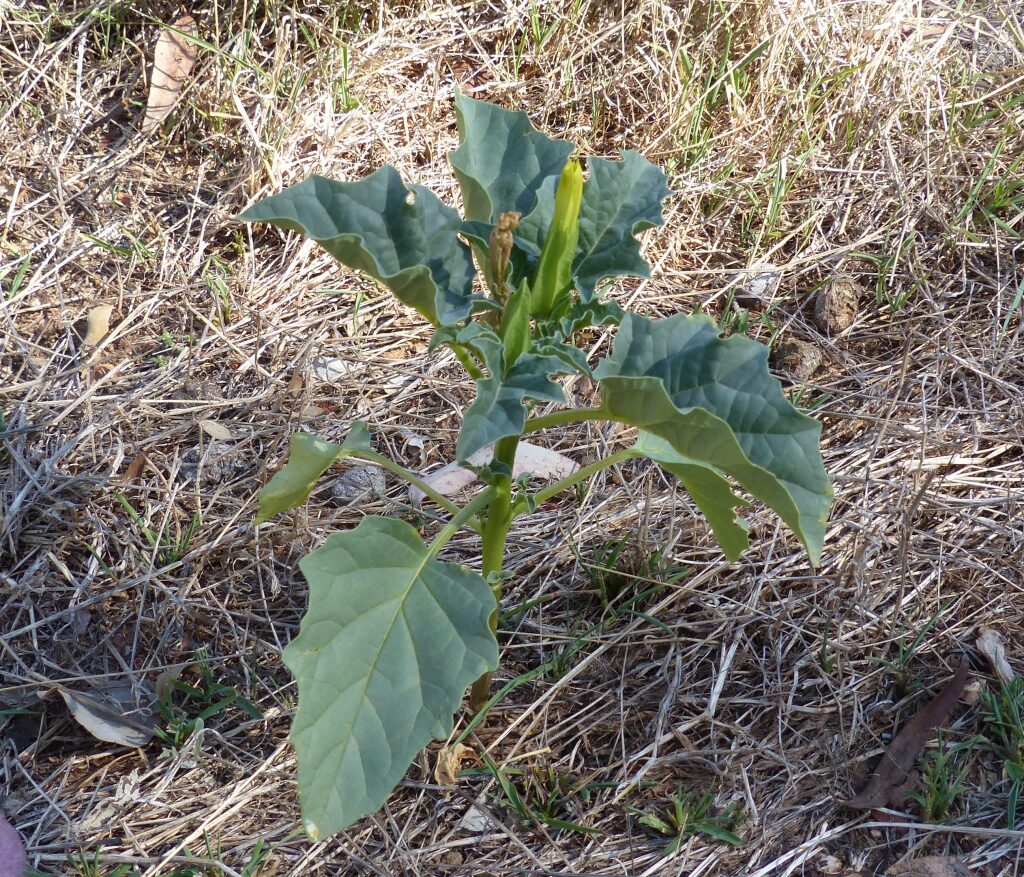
[[221, 461], [476, 821], [798, 359], [333, 369], [836, 305], [357, 482], [757, 285]]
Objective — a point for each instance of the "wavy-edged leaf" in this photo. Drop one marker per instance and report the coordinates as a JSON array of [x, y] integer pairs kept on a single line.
[[555, 336], [709, 489], [714, 401], [502, 160], [403, 236], [499, 410], [620, 199], [391, 640], [584, 314], [308, 458]]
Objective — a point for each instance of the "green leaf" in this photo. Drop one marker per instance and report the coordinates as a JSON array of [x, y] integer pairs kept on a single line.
[[658, 824], [712, 829], [709, 489], [499, 410], [715, 402], [620, 199], [584, 314], [555, 336], [403, 236], [391, 640], [308, 458], [502, 160], [515, 324]]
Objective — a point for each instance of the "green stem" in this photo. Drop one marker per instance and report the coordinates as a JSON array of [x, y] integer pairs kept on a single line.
[[569, 415], [472, 369], [462, 518], [495, 532], [579, 475]]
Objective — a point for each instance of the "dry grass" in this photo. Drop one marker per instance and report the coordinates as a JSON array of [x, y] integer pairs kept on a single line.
[[880, 140]]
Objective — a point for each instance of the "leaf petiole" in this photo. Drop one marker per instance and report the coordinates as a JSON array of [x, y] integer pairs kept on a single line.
[[413, 479], [463, 518], [569, 415]]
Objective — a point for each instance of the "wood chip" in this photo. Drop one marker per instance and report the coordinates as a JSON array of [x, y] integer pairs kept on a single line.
[[173, 59]]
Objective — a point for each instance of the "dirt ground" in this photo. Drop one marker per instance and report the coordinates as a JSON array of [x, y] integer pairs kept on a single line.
[[872, 144]]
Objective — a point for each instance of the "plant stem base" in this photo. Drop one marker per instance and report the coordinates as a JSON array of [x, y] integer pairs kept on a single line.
[[480, 692]]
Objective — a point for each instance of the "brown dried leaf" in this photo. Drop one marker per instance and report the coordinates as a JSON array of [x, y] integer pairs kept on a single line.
[[449, 760], [172, 62], [929, 866], [990, 644], [884, 787], [112, 714], [97, 324], [134, 468], [216, 430]]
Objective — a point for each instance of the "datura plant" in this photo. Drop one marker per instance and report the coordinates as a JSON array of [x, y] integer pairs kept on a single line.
[[393, 635]]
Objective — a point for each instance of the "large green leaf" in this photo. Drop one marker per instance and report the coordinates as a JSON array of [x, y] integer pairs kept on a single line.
[[308, 458], [715, 402], [502, 160], [391, 641], [708, 488], [620, 199], [403, 236]]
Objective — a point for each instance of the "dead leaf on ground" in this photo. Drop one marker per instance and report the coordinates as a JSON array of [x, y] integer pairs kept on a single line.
[[929, 866], [113, 714], [530, 459], [172, 62], [990, 644], [134, 468], [886, 785], [449, 760], [97, 324], [216, 431]]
